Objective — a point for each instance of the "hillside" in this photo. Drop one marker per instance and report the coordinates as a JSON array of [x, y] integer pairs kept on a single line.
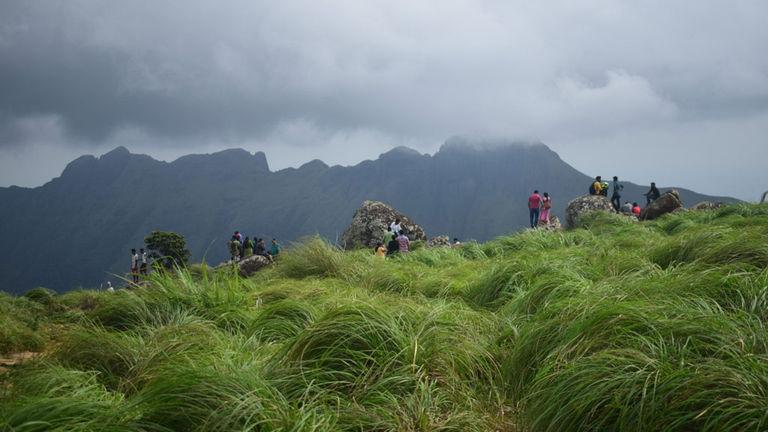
[[617, 325], [77, 229]]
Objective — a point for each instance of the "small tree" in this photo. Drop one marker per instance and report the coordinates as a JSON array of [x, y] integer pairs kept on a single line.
[[167, 248]]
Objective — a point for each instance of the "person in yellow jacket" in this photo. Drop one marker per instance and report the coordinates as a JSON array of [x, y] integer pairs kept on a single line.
[[597, 186]]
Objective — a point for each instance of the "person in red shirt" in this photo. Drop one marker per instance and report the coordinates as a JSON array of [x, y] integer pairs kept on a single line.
[[636, 209], [534, 204]]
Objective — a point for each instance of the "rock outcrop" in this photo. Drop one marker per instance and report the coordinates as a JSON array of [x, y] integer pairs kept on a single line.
[[707, 205], [667, 203], [583, 205], [439, 241], [370, 222], [553, 225], [248, 266]]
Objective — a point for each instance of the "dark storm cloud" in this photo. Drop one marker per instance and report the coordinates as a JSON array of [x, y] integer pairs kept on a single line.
[[344, 79]]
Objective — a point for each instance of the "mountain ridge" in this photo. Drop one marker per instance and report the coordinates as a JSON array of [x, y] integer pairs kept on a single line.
[[99, 208]]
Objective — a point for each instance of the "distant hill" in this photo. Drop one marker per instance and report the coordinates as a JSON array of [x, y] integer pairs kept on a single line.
[[78, 229]]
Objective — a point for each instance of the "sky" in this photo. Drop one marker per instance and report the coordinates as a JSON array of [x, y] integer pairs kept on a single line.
[[669, 91]]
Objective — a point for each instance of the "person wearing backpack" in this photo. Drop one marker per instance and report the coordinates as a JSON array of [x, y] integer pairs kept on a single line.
[[616, 195], [546, 206]]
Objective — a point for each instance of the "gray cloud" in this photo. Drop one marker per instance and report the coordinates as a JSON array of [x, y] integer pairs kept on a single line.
[[345, 79]]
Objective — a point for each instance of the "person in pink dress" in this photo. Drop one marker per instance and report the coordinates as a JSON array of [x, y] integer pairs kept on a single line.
[[534, 204], [546, 205]]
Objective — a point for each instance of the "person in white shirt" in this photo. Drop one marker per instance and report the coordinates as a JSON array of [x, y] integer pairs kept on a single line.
[[143, 268], [134, 266], [396, 228]]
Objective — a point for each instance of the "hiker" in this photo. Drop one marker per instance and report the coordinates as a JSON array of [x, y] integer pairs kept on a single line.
[[261, 249], [596, 188], [395, 227], [240, 239], [144, 259], [134, 266], [380, 251], [636, 209], [627, 208], [403, 242], [274, 249], [456, 242], [388, 236], [393, 247], [616, 195], [234, 248], [546, 206], [247, 247], [652, 195], [534, 203]]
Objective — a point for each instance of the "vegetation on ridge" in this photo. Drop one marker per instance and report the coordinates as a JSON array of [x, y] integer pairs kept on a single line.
[[615, 326]]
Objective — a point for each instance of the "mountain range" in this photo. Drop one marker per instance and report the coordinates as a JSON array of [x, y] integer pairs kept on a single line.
[[77, 230]]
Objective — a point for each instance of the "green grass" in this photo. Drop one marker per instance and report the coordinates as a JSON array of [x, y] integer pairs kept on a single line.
[[616, 325]]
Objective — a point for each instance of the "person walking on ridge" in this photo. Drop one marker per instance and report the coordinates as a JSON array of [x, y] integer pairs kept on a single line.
[[134, 266], [616, 196], [546, 206], [534, 203], [652, 195]]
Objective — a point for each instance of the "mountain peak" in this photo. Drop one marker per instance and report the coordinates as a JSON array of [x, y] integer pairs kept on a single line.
[[117, 152], [400, 151]]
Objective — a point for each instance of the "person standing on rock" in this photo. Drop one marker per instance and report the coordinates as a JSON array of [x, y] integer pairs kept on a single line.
[[234, 249], [652, 195], [134, 266], [247, 247], [616, 195], [403, 242], [596, 188], [534, 205], [546, 206]]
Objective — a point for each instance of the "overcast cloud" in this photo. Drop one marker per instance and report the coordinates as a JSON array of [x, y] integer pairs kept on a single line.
[[675, 91]]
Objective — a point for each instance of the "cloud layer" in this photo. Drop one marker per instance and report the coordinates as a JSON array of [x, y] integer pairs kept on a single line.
[[344, 79]]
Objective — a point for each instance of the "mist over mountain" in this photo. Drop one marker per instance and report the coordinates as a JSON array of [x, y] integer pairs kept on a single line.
[[78, 229]]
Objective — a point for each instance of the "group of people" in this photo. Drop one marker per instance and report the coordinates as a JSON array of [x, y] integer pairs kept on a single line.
[[395, 241], [599, 187], [241, 248], [139, 264], [539, 207]]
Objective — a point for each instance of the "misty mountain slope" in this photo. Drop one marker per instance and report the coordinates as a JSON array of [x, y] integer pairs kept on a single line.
[[77, 230]]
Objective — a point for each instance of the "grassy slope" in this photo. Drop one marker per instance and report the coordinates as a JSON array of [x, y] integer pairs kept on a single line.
[[618, 326]]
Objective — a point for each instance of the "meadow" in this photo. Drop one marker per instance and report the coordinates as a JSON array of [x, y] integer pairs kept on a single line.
[[616, 325]]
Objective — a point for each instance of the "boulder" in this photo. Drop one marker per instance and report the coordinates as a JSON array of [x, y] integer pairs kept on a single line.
[[553, 225], [707, 205], [370, 222], [439, 241], [667, 203], [248, 266], [583, 205]]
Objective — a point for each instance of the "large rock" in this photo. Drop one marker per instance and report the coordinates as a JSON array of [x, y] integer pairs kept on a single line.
[[370, 223], [439, 241], [707, 205], [583, 205], [667, 203], [553, 225], [248, 266]]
